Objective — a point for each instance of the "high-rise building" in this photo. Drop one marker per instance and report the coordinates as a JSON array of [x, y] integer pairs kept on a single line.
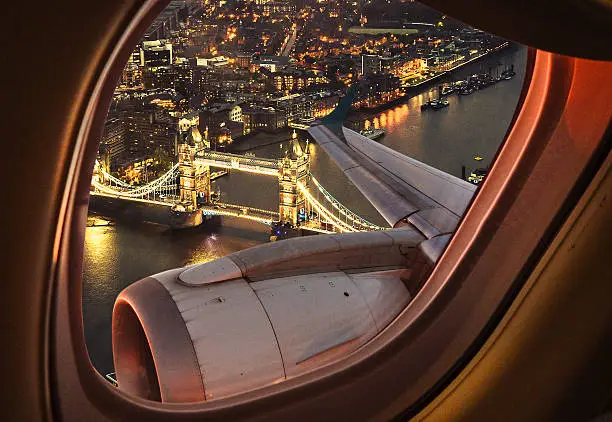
[[370, 63], [146, 133], [168, 20], [113, 138], [131, 75], [156, 53], [161, 77], [135, 56]]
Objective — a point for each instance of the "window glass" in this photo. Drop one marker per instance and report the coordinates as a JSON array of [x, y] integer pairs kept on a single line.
[[237, 83]]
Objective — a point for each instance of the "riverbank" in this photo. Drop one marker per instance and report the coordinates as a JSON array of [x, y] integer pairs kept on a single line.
[[127, 211], [258, 140], [412, 91]]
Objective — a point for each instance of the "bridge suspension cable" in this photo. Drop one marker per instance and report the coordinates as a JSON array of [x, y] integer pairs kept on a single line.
[[345, 221], [351, 219], [115, 180], [164, 184]]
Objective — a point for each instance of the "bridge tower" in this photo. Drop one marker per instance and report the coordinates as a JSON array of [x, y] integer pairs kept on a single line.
[[295, 167], [194, 178]]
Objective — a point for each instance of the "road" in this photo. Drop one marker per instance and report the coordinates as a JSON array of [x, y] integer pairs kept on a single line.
[[286, 50]]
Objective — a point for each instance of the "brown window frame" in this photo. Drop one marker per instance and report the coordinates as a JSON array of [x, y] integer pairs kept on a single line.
[[409, 359]]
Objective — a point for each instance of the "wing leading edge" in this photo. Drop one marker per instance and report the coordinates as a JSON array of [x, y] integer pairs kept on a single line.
[[399, 187]]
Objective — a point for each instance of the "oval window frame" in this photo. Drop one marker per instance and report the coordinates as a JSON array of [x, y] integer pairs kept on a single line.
[[529, 137]]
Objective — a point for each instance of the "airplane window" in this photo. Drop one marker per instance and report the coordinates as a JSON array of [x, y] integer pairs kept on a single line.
[[306, 161]]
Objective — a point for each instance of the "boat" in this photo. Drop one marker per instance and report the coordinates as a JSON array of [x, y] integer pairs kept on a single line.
[[373, 133], [280, 231], [485, 80], [215, 196], [439, 104], [447, 90], [508, 73], [477, 176], [435, 104], [467, 91]]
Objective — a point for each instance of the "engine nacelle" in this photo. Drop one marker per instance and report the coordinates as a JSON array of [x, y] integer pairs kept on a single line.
[[227, 326]]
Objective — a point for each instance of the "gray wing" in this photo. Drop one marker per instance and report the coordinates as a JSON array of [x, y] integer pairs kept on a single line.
[[399, 187]]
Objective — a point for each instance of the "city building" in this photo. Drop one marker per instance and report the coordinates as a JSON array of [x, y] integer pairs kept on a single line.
[[275, 7], [370, 63], [218, 61], [131, 76], [146, 133], [296, 80], [260, 118], [156, 53], [390, 64], [378, 89], [235, 114], [161, 77], [307, 106], [113, 138], [272, 63], [221, 123], [243, 60], [188, 121]]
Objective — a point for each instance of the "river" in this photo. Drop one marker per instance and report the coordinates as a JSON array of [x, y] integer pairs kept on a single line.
[[117, 255]]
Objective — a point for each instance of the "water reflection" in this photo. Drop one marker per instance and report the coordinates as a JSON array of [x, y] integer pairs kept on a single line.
[[209, 249]]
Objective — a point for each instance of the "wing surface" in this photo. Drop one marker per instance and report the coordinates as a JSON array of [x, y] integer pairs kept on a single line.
[[399, 187]]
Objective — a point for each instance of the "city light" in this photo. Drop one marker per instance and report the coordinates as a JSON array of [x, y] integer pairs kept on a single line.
[[238, 69]]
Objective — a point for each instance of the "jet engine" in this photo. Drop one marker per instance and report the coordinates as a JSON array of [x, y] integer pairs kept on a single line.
[[262, 315]]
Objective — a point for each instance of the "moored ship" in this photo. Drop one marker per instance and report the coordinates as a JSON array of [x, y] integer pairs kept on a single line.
[[373, 133]]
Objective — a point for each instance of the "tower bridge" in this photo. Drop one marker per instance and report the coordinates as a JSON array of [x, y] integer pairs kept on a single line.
[[186, 188]]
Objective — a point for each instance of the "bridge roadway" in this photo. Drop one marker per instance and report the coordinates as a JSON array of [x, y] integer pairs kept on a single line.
[[299, 126], [266, 166], [263, 216], [241, 211]]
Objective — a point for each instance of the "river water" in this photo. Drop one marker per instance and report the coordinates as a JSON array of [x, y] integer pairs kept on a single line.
[[119, 254]]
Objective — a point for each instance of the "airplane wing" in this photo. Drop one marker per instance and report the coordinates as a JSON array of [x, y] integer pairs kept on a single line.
[[400, 188]]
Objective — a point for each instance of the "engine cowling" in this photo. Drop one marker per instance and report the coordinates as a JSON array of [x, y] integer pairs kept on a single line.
[[227, 326]]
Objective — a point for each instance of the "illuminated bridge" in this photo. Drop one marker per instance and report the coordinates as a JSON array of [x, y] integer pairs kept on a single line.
[[303, 201], [300, 126]]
